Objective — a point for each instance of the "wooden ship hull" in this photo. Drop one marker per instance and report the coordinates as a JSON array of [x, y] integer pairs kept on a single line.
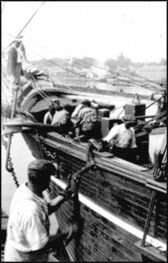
[[115, 196], [114, 199]]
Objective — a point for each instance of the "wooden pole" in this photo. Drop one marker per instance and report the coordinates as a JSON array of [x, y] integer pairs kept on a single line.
[[147, 223]]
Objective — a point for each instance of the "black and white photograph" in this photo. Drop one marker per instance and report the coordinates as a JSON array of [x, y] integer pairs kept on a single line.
[[84, 131]]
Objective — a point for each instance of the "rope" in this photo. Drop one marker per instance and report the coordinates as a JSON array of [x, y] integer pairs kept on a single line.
[[116, 73], [152, 103], [41, 92], [121, 112], [30, 20], [133, 81]]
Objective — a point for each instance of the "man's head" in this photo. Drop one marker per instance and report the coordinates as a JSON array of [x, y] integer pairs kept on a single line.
[[39, 172], [18, 41], [129, 121], [86, 103], [56, 104], [68, 108], [52, 109]]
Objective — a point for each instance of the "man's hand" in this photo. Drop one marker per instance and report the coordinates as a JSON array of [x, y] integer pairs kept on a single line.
[[67, 194]]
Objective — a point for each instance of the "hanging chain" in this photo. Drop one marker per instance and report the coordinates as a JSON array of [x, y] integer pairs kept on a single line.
[[10, 163], [47, 152]]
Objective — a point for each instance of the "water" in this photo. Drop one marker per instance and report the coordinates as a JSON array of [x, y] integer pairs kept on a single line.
[[21, 156]]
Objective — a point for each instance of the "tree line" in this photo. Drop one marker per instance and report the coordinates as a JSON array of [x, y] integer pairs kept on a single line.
[[87, 62]]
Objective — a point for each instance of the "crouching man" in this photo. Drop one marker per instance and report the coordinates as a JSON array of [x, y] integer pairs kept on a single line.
[[121, 139], [28, 236]]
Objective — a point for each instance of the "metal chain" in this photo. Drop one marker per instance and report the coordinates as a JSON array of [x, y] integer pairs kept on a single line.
[[10, 163], [47, 152]]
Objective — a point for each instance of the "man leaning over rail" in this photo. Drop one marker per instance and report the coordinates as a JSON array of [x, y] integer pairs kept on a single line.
[[28, 236]]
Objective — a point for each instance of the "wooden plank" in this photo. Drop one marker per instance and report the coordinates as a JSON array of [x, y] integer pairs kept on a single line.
[[158, 186], [104, 163]]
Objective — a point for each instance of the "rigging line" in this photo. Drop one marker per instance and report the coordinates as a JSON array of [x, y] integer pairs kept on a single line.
[[60, 83], [117, 73], [67, 70], [30, 19], [91, 79], [106, 82], [41, 92], [138, 83], [72, 71], [27, 22], [43, 95], [153, 103], [50, 79], [81, 75], [144, 78], [81, 63], [69, 57], [134, 81], [131, 79], [132, 76]]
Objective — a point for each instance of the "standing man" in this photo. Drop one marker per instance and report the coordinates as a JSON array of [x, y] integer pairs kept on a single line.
[[16, 55], [28, 236]]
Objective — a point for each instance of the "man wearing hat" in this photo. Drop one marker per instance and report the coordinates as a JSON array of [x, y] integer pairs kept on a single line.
[[121, 138], [28, 236]]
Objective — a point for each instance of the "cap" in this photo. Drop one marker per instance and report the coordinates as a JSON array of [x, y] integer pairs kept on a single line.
[[86, 102], [128, 117], [42, 165]]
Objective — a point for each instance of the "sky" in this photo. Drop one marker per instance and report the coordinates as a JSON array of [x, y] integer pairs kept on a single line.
[[99, 29]]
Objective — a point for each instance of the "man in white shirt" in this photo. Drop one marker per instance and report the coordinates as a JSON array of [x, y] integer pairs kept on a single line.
[[28, 236], [62, 120], [121, 138]]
